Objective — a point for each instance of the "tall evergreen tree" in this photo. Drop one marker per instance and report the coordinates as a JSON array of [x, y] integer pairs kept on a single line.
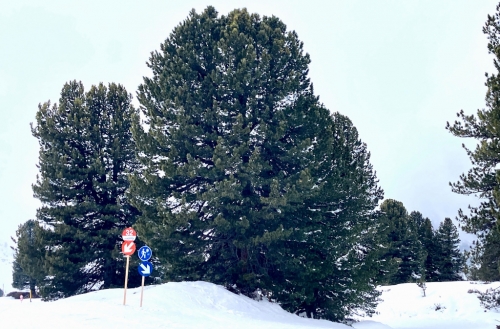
[[247, 181], [485, 259], [418, 221], [404, 244], [450, 260], [483, 179], [350, 231], [86, 152], [426, 236], [29, 257]]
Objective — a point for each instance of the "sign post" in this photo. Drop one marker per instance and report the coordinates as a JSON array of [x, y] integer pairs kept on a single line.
[[126, 281], [145, 268], [128, 248]]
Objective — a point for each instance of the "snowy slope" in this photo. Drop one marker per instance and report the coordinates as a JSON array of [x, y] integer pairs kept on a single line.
[[405, 307], [6, 257], [201, 305], [186, 305]]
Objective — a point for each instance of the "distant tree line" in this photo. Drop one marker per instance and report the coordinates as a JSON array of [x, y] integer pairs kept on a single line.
[[418, 252], [232, 171]]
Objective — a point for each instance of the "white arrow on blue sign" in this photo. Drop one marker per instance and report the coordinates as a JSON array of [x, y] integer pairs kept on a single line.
[[145, 253], [145, 268]]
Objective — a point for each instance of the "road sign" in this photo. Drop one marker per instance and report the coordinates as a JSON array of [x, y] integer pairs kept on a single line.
[[144, 253], [128, 248], [129, 234], [145, 268]]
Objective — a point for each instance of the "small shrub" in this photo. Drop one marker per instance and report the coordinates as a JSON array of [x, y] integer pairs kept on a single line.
[[473, 291], [490, 299], [423, 286], [261, 294], [349, 322], [438, 307]]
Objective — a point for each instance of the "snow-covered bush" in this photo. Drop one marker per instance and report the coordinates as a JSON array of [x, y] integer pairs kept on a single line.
[[438, 307], [421, 284], [490, 299]]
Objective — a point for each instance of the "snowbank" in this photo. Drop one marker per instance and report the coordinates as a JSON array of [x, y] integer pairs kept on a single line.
[[193, 305], [201, 305], [447, 305]]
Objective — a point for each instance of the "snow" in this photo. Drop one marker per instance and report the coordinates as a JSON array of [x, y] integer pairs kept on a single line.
[[405, 307], [186, 305], [204, 305]]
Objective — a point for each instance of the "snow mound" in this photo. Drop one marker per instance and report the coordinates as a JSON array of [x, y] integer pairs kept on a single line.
[[447, 305], [202, 305], [193, 305]]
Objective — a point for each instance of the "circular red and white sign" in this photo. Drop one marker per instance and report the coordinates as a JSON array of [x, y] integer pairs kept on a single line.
[[129, 234], [128, 248]]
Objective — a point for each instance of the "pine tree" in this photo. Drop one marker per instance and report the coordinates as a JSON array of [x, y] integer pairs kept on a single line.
[[404, 244], [344, 229], [86, 152], [485, 259], [450, 260], [29, 257], [19, 279], [247, 180], [426, 236], [483, 179], [418, 221]]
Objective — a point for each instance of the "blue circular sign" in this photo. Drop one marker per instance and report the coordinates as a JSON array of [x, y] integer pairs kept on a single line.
[[145, 253], [145, 268]]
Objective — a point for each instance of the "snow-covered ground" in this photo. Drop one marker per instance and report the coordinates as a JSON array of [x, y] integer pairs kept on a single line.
[[186, 305], [200, 305], [447, 305]]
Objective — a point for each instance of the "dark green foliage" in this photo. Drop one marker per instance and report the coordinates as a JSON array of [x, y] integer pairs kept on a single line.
[[426, 236], [86, 152], [450, 260], [19, 279], [247, 180], [29, 254], [483, 179], [350, 233], [404, 245], [485, 258], [1, 293], [387, 264]]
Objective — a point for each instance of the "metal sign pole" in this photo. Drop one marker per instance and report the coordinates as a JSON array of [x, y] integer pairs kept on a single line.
[[142, 289], [126, 281], [145, 268]]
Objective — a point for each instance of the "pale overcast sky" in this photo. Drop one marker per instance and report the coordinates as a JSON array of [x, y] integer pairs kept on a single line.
[[398, 69]]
